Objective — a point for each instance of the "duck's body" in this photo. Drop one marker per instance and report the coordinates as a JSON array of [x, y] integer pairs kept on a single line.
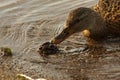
[[95, 24], [110, 12]]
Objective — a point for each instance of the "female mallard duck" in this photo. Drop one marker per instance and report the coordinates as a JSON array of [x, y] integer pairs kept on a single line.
[[95, 24]]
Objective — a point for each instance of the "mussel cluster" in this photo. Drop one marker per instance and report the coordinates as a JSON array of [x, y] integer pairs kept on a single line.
[[48, 48]]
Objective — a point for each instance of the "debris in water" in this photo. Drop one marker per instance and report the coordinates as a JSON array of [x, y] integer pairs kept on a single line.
[[48, 48], [5, 51]]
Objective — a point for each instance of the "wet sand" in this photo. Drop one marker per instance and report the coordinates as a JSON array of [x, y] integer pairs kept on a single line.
[[25, 25]]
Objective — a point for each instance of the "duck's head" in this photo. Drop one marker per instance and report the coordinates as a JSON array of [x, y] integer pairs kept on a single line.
[[78, 20]]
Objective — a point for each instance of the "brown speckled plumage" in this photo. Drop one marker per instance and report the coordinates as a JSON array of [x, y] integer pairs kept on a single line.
[[110, 11]]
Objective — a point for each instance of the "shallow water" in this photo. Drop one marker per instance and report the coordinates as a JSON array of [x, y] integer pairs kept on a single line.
[[26, 24]]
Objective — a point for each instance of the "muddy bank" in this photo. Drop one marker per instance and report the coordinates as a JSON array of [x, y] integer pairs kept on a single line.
[[70, 64], [67, 66]]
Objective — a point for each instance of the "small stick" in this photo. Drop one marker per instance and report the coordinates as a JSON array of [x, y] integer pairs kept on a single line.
[[25, 77]]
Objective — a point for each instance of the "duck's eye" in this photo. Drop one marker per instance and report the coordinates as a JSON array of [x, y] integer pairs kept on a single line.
[[74, 22], [65, 33], [77, 20]]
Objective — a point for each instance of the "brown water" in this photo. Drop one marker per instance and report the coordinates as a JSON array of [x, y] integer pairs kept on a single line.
[[26, 24]]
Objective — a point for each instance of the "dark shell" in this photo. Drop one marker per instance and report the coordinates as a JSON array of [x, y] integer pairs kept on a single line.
[[48, 48]]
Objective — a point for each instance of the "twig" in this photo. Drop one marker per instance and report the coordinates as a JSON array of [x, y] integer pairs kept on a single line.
[[25, 77]]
